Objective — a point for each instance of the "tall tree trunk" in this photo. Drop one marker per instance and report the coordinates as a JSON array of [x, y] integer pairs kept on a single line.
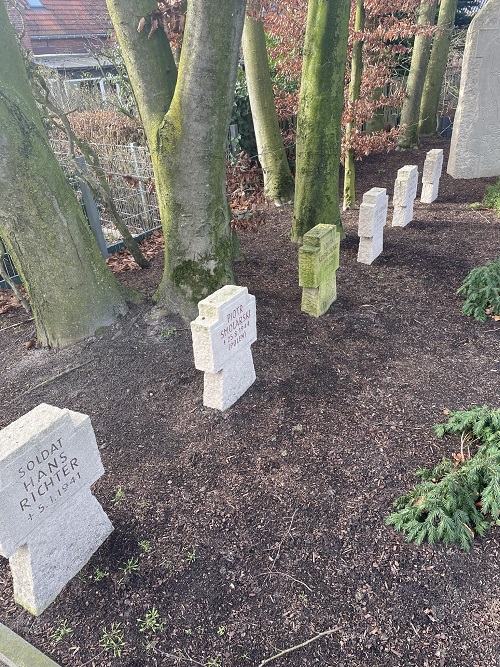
[[438, 61], [188, 142], [416, 77], [354, 89], [278, 181], [71, 290], [319, 129]]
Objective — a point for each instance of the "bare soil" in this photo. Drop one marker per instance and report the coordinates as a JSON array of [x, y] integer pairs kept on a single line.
[[263, 526]]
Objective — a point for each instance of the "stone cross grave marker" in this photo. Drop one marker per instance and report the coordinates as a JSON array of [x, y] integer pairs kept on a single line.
[[222, 334], [372, 219], [318, 262], [475, 141], [433, 166], [405, 190], [50, 523]]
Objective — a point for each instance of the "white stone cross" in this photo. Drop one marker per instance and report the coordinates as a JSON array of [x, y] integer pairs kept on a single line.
[[50, 523], [405, 190], [433, 166], [222, 335], [372, 219]]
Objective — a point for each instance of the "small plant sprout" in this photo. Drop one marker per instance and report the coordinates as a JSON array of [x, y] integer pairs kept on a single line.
[[151, 622], [60, 632], [191, 556], [168, 333], [119, 496], [130, 565], [99, 574], [112, 639], [214, 662], [145, 545], [221, 630]]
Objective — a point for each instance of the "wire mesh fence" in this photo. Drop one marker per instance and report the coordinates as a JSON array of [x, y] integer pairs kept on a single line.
[[129, 173]]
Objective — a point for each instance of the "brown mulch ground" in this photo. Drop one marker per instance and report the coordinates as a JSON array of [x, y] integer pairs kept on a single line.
[[264, 526]]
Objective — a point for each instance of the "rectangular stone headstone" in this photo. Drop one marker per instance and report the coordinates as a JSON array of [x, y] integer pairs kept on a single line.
[[222, 335], [405, 191], [318, 263], [372, 219], [433, 166], [50, 524]]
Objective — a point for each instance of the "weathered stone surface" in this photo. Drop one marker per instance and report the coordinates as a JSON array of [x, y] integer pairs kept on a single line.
[[475, 141], [318, 263], [405, 190], [222, 334], [433, 166], [50, 524], [57, 551], [372, 219]]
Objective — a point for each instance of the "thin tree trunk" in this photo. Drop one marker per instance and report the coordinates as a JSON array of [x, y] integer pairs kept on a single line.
[[416, 77], [438, 61], [354, 90], [71, 290], [278, 181], [320, 117]]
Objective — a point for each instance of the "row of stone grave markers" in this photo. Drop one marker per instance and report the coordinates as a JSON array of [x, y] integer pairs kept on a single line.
[[373, 209]]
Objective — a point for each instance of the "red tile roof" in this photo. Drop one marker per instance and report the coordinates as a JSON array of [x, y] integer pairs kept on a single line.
[[67, 17]]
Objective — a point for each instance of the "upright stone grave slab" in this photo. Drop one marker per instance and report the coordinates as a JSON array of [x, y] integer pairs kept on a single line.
[[318, 263], [475, 141], [433, 166], [50, 523], [222, 334], [405, 191], [372, 219]]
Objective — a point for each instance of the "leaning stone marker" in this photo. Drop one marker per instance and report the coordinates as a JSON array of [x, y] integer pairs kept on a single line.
[[222, 334], [50, 524], [433, 166], [405, 191], [318, 262], [475, 141], [372, 219]]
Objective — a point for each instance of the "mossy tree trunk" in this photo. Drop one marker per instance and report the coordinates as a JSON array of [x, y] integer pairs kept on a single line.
[[320, 117], [416, 77], [354, 90], [436, 69], [278, 181], [187, 134], [71, 290]]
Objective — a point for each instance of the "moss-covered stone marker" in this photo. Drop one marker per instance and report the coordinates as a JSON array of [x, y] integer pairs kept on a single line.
[[222, 334], [50, 523], [16, 652], [318, 263]]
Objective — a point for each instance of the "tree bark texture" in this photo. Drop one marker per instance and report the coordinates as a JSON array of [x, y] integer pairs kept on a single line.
[[354, 90], [71, 290], [278, 181], [416, 77], [187, 132], [192, 144], [320, 117], [436, 69]]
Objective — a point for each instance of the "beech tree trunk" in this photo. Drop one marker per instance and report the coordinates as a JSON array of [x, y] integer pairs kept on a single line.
[[71, 290], [278, 181], [416, 77], [354, 89], [320, 116], [428, 122], [188, 141]]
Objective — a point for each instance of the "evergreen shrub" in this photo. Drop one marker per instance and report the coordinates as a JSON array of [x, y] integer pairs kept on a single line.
[[481, 289], [460, 497]]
